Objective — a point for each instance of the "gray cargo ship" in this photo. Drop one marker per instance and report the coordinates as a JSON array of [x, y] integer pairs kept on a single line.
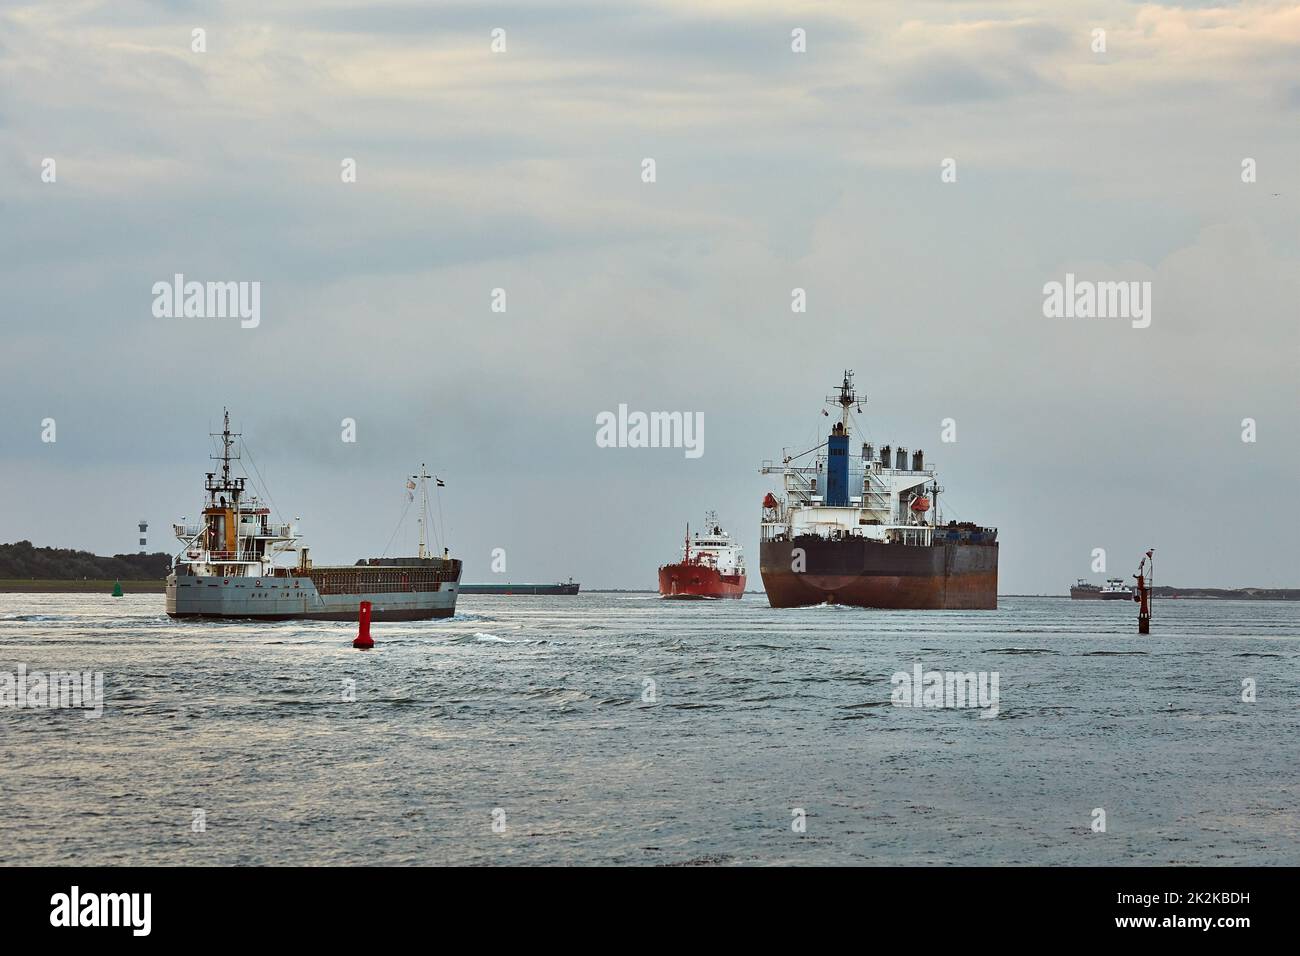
[[563, 587], [231, 565]]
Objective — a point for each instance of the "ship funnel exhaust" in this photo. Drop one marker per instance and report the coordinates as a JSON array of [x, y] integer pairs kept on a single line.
[[918, 460], [837, 467], [900, 462]]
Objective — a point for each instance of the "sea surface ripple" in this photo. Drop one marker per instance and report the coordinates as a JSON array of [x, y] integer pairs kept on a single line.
[[622, 729]]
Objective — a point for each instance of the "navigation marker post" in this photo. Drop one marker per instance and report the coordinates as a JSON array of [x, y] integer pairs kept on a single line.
[[364, 641], [1143, 595]]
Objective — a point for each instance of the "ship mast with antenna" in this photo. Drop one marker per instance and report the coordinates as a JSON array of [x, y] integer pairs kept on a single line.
[[846, 399], [231, 486], [423, 477]]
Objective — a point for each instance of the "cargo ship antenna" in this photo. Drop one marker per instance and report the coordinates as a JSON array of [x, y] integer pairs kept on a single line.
[[423, 477], [233, 486], [846, 399], [227, 442]]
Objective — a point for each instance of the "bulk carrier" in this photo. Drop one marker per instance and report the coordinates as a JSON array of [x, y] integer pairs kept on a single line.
[[864, 530], [229, 565]]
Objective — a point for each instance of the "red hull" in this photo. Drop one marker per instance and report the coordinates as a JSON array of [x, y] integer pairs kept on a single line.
[[686, 581], [871, 574]]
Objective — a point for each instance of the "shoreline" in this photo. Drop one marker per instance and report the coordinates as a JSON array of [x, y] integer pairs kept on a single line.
[[81, 586]]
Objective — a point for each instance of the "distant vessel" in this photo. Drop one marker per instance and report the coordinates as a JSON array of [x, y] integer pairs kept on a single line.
[[227, 567], [1082, 590], [564, 587], [865, 531], [1114, 590], [712, 566]]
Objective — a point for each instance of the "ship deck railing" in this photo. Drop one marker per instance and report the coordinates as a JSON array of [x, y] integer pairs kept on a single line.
[[895, 533], [226, 557]]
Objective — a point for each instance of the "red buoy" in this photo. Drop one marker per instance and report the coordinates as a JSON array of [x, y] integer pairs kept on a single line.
[[363, 641]]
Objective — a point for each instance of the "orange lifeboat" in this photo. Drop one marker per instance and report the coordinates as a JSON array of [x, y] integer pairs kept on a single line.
[[921, 505], [770, 501]]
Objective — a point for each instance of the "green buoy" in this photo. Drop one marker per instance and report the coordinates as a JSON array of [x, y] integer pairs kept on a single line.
[[117, 589]]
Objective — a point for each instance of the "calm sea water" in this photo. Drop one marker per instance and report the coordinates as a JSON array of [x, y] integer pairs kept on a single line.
[[532, 709]]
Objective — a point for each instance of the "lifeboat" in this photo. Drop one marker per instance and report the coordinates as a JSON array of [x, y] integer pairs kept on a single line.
[[921, 505], [770, 501]]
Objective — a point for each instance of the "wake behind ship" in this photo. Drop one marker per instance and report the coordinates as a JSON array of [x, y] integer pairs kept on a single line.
[[228, 566], [865, 531]]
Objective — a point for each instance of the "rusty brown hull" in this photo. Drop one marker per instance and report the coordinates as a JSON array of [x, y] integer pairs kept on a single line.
[[864, 573]]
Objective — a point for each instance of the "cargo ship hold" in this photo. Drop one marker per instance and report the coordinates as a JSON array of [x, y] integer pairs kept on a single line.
[[230, 565], [569, 587], [865, 530], [712, 566]]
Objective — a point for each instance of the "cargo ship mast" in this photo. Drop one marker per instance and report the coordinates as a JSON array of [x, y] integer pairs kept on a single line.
[[423, 478], [232, 486], [846, 399]]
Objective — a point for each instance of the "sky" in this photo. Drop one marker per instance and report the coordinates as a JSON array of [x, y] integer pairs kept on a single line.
[[523, 170]]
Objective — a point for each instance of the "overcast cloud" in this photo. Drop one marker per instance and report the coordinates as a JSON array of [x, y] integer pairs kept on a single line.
[[775, 170]]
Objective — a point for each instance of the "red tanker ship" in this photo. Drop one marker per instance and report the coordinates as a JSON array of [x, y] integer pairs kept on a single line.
[[712, 566]]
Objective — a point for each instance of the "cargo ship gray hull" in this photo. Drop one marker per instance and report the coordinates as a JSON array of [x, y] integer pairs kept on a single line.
[[568, 588], [408, 589]]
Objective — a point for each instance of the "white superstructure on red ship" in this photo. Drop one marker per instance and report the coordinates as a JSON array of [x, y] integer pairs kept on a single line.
[[712, 566]]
